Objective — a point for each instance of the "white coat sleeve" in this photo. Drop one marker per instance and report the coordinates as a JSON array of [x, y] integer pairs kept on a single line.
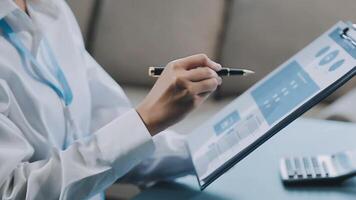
[[83, 170], [170, 160]]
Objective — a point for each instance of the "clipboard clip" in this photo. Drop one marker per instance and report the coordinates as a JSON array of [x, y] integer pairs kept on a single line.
[[349, 34]]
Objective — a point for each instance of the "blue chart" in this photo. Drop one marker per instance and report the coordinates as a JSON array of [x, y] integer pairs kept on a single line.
[[282, 92], [226, 123]]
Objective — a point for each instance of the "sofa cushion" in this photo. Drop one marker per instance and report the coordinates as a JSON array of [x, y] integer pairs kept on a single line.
[[134, 34], [264, 33]]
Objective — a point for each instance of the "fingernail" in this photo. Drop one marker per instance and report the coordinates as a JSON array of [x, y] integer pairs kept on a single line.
[[220, 80]]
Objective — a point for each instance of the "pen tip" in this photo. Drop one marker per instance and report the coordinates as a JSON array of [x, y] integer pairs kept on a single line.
[[248, 71]]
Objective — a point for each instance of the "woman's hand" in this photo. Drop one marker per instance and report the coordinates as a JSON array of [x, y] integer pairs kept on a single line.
[[184, 84]]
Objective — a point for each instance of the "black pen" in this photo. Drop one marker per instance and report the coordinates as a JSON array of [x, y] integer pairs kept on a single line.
[[156, 71]]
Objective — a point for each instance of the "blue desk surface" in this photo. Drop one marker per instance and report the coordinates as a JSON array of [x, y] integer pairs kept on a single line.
[[257, 176]]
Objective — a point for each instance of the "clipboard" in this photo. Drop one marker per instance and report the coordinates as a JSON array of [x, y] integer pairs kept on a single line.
[[324, 53]]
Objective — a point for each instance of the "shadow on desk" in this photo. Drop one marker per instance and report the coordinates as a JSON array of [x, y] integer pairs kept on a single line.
[[347, 187], [178, 191]]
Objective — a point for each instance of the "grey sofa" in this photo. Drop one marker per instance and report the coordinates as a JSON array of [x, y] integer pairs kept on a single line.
[[130, 35]]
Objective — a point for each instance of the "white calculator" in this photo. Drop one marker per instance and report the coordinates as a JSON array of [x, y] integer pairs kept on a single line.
[[324, 169]]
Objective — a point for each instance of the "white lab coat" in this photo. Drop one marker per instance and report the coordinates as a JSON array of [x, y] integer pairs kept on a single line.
[[112, 137]]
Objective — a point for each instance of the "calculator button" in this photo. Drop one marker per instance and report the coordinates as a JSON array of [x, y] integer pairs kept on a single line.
[[316, 166], [289, 167], [307, 167], [298, 167]]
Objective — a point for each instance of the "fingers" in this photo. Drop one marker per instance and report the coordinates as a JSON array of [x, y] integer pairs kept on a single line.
[[195, 61], [204, 87], [201, 73]]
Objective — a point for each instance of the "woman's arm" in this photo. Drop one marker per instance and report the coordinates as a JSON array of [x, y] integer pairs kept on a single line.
[[181, 88], [170, 159]]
